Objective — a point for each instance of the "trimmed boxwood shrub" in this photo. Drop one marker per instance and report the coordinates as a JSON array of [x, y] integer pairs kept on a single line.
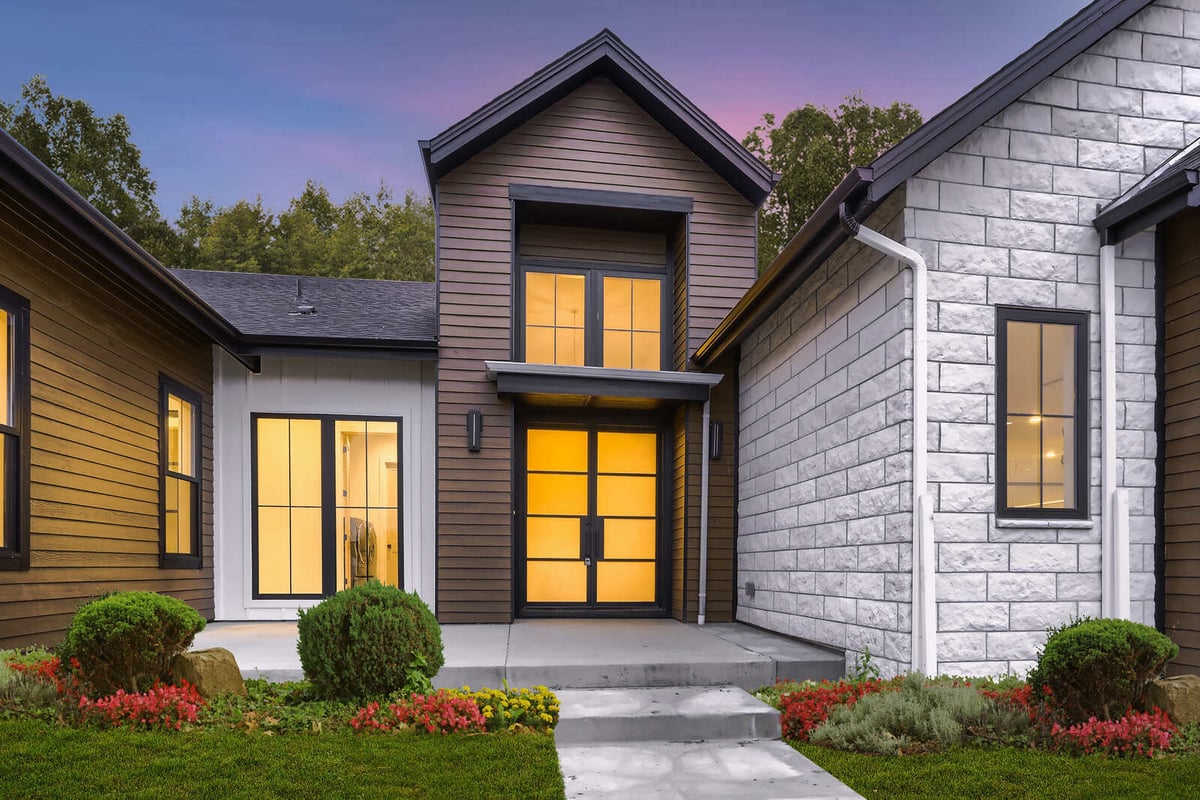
[[1100, 667], [127, 640], [369, 642]]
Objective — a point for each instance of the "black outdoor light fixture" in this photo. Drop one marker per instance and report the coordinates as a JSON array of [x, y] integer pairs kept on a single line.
[[474, 429], [714, 440]]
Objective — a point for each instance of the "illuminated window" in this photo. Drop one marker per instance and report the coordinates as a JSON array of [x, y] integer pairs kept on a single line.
[[326, 505], [593, 317], [180, 421], [1042, 427], [14, 427]]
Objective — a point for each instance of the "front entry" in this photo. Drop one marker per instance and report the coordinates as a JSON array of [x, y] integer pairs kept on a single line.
[[590, 520]]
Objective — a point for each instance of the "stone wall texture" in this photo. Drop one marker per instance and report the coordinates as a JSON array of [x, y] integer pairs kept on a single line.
[[1003, 218]]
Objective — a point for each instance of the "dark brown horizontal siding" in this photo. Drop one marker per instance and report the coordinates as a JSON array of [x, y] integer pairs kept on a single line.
[[595, 138], [97, 349], [1181, 488]]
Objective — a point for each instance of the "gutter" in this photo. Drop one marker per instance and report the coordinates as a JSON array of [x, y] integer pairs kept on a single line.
[[1114, 509], [924, 598], [705, 451]]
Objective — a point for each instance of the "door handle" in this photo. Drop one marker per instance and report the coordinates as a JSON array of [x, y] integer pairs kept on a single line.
[[598, 538], [584, 541]]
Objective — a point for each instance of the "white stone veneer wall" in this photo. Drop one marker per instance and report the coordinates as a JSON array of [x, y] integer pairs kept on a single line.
[[1006, 218], [824, 527]]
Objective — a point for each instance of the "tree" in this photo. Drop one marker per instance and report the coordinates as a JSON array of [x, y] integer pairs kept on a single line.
[[94, 155], [366, 236], [813, 149]]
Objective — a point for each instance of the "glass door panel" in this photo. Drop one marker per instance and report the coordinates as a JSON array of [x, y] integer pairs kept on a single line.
[[627, 505], [288, 506], [556, 503], [366, 502]]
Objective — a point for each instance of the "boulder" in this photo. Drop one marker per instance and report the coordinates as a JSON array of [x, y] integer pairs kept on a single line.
[[213, 672], [1178, 696]]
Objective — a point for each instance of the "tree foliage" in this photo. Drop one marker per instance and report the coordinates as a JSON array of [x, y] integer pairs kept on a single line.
[[366, 236], [93, 154], [369, 235], [813, 148]]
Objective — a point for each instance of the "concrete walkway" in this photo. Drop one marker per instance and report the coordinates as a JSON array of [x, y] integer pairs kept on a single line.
[[568, 653]]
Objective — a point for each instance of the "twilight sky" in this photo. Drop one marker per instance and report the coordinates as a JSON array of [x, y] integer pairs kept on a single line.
[[232, 98]]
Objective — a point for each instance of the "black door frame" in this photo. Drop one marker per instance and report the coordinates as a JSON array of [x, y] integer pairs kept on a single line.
[[660, 424]]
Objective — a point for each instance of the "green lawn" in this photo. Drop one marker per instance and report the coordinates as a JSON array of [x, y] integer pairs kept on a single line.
[[1010, 774], [40, 761]]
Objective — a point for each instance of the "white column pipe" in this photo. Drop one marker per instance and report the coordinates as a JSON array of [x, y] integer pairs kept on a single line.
[[924, 565], [1114, 504], [705, 446]]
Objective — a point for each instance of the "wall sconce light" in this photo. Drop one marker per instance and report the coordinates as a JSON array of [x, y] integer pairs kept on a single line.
[[474, 429], [714, 440]]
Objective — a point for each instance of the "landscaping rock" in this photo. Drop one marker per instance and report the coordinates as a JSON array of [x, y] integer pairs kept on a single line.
[[1178, 696], [213, 672]]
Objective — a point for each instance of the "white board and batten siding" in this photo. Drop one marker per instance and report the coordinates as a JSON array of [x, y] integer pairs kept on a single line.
[[352, 387]]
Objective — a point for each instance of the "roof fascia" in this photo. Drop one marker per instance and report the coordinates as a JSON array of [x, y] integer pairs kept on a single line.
[[1149, 207]]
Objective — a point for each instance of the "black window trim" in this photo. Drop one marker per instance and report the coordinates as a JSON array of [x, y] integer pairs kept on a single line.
[[168, 386], [14, 538], [594, 274], [328, 493], [1080, 319]]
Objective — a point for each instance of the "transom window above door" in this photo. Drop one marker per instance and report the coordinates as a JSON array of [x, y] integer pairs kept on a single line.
[[593, 317]]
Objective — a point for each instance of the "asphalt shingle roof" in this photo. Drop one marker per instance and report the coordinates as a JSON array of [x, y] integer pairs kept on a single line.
[[348, 310]]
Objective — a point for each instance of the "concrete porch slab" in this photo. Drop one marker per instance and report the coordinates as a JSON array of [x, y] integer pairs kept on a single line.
[[568, 653]]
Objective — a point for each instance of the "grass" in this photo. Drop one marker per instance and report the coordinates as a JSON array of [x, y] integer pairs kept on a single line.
[[1009, 773], [42, 761]]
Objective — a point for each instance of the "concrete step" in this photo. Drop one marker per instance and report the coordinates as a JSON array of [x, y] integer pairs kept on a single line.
[[716, 770], [671, 714]]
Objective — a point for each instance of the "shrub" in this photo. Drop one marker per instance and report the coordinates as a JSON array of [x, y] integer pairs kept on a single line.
[[917, 718], [507, 709], [1100, 667], [24, 686], [367, 642], [803, 710], [161, 708], [442, 712], [1135, 734], [128, 640]]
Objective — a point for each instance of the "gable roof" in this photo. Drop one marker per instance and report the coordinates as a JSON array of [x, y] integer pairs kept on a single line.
[[350, 312], [603, 54], [1160, 195], [52, 197], [864, 188]]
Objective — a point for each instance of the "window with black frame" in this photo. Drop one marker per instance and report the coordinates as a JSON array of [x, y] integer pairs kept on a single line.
[[14, 427], [1042, 426], [180, 409]]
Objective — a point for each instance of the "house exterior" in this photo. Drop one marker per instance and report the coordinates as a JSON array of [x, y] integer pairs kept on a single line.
[[957, 410], [593, 227], [1027, 432]]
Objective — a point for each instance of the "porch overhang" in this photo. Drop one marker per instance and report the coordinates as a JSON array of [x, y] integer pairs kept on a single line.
[[600, 387]]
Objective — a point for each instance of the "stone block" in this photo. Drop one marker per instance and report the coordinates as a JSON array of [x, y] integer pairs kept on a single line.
[[1042, 207], [1157, 19], [1171, 50], [1053, 92], [1025, 175], [1076, 239], [972, 557], [213, 672], [1084, 124], [943, 226], [1021, 587], [1040, 616], [956, 168], [987, 141], [1023, 117], [1095, 97], [1153, 132], [1009, 645], [1042, 265], [1160, 105], [970, 199], [972, 616], [1043, 557], [1179, 696], [1043, 148], [1086, 182], [1020, 292], [1148, 75], [1020, 233], [1092, 68], [1111, 156]]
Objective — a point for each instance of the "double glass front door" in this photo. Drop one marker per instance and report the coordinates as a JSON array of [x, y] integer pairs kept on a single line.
[[590, 525]]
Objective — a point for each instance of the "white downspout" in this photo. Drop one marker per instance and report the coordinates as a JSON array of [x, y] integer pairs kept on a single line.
[[1114, 503], [705, 445], [924, 565]]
